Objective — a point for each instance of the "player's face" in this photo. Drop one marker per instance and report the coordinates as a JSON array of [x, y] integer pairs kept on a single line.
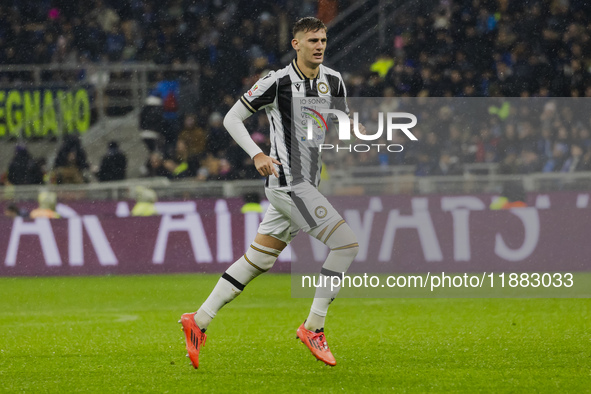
[[310, 46]]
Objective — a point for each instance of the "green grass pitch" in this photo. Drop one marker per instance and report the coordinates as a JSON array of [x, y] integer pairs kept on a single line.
[[120, 334]]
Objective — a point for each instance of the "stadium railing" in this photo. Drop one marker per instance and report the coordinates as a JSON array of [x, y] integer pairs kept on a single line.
[[481, 168], [397, 181]]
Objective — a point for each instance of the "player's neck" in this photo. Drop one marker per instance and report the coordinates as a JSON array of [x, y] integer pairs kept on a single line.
[[309, 71]]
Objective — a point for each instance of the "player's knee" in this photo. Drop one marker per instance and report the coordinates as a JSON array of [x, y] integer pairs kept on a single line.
[[261, 257], [341, 237], [348, 251]]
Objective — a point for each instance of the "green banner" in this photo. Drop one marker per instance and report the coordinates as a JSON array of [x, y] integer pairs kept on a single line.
[[44, 112]]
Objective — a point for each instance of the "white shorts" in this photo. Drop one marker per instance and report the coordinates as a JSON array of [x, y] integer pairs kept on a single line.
[[300, 207]]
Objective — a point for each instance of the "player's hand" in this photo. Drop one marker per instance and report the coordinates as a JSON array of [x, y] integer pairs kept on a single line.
[[360, 127], [264, 164]]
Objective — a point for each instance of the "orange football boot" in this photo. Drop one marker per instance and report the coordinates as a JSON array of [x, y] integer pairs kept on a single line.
[[316, 342], [194, 338]]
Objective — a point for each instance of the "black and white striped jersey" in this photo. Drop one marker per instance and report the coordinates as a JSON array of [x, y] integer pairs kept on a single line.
[[292, 103]]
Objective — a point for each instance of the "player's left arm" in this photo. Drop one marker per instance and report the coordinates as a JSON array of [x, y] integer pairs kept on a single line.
[[234, 123]]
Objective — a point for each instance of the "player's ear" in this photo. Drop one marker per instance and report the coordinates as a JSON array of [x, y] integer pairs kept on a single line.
[[295, 44]]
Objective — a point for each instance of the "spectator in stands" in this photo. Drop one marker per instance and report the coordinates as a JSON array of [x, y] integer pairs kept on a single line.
[[209, 168], [168, 89], [526, 134], [106, 16], [432, 148], [447, 165], [152, 125], [544, 144], [383, 64], [180, 165], [453, 143], [374, 86], [486, 145], [194, 136], [509, 165], [72, 157], [563, 138], [113, 165], [556, 161], [38, 173], [513, 197], [115, 43], [575, 161], [529, 161], [13, 211], [23, 170], [218, 138], [145, 202], [424, 165], [189, 99], [47, 205], [68, 171], [242, 165], [70, 163], [586, 160], [411, 151], [225, 171], [155, 166], [584, 137], [327, 10]]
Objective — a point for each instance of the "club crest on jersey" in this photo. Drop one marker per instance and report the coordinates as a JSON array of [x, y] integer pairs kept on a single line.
[[322, 87], [320, 212]]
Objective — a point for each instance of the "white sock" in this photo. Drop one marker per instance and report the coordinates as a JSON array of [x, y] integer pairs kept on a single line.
[[314, 322], [322, 299], [224, 291], [255, 261], [343, 244]]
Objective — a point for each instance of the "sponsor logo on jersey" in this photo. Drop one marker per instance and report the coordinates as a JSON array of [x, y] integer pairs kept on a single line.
[[318, 118]]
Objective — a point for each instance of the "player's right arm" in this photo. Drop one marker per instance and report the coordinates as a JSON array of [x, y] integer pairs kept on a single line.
[[261, 94]]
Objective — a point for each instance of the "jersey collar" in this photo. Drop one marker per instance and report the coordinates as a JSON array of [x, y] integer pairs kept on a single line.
[[299, 72]]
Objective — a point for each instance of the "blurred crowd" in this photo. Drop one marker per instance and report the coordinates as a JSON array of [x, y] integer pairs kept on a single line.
[[507, 135], [183, 147], [462, 48], [233, 39], [489, 48]]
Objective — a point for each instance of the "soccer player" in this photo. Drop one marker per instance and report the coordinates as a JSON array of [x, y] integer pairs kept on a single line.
[[293, 174]]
